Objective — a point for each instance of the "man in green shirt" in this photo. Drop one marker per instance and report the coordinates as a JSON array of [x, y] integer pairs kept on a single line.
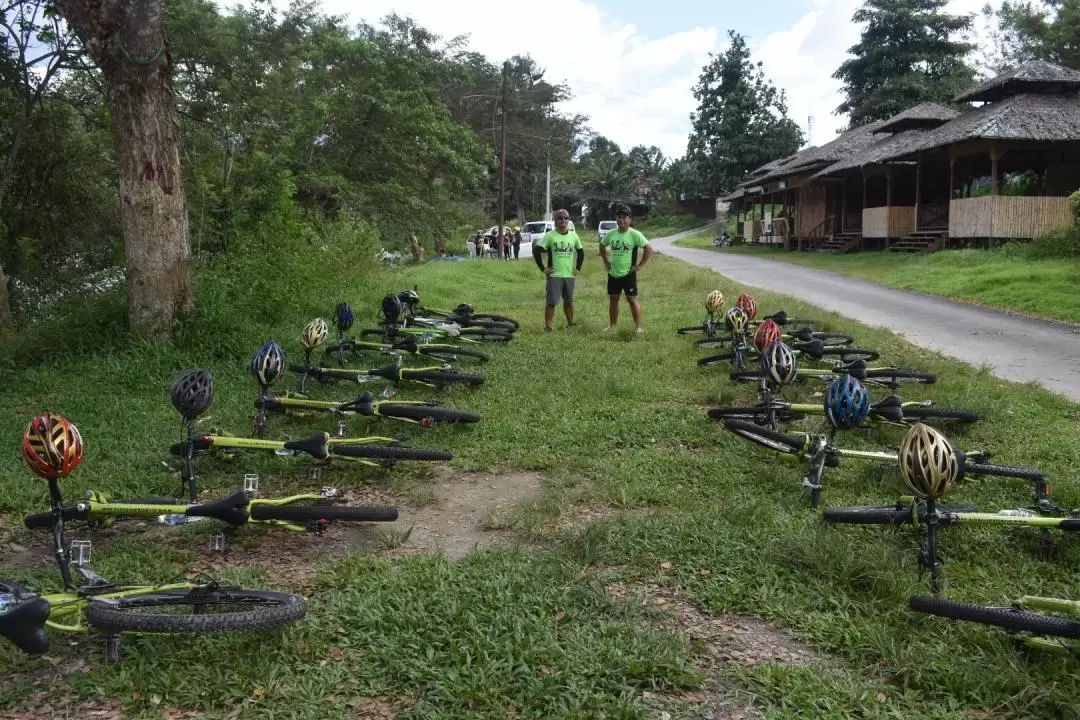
[[619, 251], [565, 255]]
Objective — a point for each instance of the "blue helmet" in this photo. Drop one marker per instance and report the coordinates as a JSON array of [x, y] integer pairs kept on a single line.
[[268, 364], [847, 403], [344, 317]]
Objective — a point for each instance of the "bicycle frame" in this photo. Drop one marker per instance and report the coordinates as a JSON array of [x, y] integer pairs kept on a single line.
[[1061, 646]]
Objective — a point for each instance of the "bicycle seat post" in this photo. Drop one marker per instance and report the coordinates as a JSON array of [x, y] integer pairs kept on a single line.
[[188, 476]]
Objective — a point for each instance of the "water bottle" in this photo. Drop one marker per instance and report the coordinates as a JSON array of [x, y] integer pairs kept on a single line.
[[1016, 513], [7, 601]]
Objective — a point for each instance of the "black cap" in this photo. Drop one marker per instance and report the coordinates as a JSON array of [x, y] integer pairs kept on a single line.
[[622, 210]]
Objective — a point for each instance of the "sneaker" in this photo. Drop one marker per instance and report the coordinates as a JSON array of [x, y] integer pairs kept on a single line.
[[547, 329], [639, 330], [609, 329], [570, 325]]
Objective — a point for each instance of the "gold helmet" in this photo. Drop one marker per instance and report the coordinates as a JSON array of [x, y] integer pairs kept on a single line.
[[928, 464], [314, 334], [714, 301]]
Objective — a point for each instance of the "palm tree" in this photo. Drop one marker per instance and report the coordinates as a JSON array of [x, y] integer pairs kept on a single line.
[[611, 178]]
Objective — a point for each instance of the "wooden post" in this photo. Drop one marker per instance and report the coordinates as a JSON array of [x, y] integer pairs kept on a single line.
[[995, 181], [918, 189], [888, 186]]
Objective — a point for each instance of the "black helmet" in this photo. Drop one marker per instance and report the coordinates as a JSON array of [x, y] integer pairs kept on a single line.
[[268, 364], [408, 297], [391, 308], [192, 393]]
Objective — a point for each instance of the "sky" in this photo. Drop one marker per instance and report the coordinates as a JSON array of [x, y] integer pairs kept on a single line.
[[632, 64]]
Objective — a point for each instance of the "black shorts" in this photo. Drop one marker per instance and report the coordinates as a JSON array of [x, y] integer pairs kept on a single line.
[[625, 284]]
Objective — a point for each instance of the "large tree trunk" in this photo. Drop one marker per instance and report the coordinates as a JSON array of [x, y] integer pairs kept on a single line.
[[126, 38], [6, 324]]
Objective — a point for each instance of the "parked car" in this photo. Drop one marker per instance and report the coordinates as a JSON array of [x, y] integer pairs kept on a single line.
[[524, 251], [535, 230], [606, 226]]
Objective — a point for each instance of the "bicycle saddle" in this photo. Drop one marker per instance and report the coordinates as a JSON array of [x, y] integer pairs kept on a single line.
[[24, 624], [855, 368], [813, 348], [888, 408], [780, 318], [231, 510], [363, 404], [805, 334], [408, 345], [314, 446]]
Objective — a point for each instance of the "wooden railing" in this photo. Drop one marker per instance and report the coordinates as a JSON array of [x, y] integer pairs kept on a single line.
[[819, 232]]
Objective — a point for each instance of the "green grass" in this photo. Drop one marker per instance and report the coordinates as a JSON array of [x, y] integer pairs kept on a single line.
[[664, 225], [613, 422], [1000, 278]]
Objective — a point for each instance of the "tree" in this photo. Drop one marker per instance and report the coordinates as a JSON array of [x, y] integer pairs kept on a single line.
[[741, 121], [1047, 30], [126, 39], [907, 54], [649, 163]]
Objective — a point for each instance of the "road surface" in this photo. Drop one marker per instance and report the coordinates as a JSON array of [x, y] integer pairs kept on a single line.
[[1016, 347]]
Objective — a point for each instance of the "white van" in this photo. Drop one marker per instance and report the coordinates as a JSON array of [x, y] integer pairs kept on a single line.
[[535, 230], [606, 226]]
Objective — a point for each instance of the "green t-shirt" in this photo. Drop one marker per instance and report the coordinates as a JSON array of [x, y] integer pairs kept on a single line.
[[562, 251], [623, 250]]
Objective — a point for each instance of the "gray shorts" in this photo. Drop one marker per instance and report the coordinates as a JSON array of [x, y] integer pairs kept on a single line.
[[564, 287]]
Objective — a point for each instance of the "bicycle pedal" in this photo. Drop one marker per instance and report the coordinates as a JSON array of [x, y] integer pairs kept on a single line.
[[251, 483], [80, 551]]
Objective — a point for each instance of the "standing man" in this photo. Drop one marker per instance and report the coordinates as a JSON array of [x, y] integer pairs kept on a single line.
[[622, 266], [565, 255]]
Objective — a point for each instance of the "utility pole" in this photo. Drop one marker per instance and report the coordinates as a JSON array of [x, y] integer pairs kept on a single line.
[[502, 154], [547, 202]]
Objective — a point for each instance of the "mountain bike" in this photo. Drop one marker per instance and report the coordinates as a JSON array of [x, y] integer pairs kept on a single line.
[[433, 330], [306, 512], [891, 377], [463, 314], [414, 411], [321, 446], [98, 604], [803, 335], [407, 347], [1038, 630], [712, 324], [890, 410], [432, 376], [818, 450], [925, 518], [813, 350]]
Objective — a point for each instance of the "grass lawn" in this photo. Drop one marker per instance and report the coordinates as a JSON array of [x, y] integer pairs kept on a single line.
[[1045, 288], [669, 224], [640, 490]]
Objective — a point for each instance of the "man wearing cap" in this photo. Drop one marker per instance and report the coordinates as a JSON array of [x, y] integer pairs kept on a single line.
[[619, 251], [565, 255]]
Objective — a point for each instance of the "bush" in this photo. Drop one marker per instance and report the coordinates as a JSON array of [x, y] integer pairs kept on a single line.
[[1061, 242]]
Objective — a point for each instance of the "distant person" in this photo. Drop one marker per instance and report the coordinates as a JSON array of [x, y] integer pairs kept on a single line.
[[565, 255], [623, 245], [416, 247], [440, 244], [517, 241]]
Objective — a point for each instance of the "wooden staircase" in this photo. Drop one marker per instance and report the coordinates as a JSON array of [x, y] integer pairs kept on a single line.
[[925, 241], [843, 242]]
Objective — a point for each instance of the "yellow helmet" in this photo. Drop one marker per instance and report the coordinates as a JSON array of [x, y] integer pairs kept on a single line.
[[314, 334], [928, 464], [714, 301], [736, 320]]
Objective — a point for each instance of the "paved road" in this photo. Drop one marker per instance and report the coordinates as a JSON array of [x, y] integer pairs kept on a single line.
[[1017, 348]]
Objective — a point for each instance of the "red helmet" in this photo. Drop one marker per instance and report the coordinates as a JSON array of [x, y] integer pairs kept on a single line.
[[52, 446], [766, 334], [748, 305]]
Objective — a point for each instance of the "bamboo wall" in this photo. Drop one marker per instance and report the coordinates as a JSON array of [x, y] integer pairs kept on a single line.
[[1007, 216], [810, 208], [892, 221]]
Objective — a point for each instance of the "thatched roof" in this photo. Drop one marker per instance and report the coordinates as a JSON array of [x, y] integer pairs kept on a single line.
[[851, 142], [1036, 76], [926, 115], [885, 148], [1042, 118]]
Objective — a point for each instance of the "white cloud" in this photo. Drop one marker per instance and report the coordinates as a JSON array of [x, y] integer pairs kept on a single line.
[[637, 89]]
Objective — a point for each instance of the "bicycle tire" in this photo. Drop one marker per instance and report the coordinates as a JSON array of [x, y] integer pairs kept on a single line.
[[885, 515], [491, 325], [421, 412], [900, 374], [315, 513], [128, 614], [831, 339], [847, 354], [691, 329], [452, 353], [441, 377], [754, 413], [1011, 471], [715, 359], [712, 342], [484, 335], [497, 318], [771, 439], [745, 375], [916, 413], [1011, 619], [389, 452]]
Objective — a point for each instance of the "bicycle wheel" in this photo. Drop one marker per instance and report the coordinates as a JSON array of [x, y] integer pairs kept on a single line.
[[715, 359], [713, 342], [899, 376], [157, 612], [886, 515], [917, 413], [768, 438], [452, 353], [1011, 471], [846, 354], [690, 330], [423, 412], [757, 414], [389, 452], [315, 513], [1012, 619], [831, 339], [440, 377], [497, 318], [485, 335], [491, 326]]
